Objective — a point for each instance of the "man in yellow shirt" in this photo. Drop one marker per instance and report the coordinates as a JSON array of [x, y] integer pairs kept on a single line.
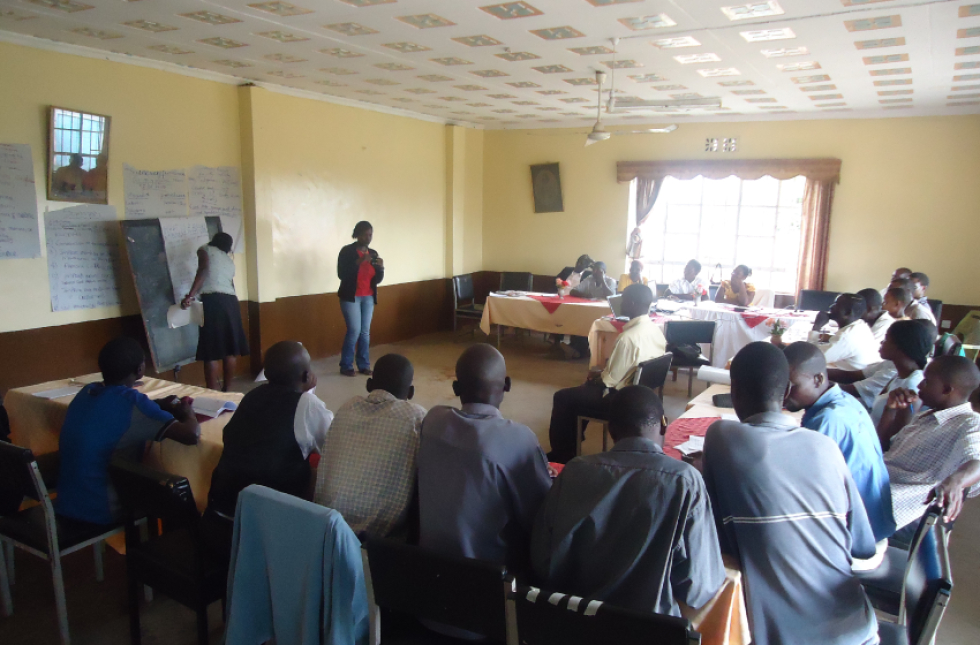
[[635, 276]]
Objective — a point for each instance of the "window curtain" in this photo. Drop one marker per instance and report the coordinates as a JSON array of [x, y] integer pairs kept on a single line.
[[647, 189], [814, 234]]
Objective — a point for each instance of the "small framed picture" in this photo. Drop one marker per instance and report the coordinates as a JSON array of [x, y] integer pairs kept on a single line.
[[546, 183]]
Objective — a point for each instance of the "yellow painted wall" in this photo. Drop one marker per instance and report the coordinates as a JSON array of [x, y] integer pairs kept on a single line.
[[319, 168], [909, 194], [473, 202], [159, 121]]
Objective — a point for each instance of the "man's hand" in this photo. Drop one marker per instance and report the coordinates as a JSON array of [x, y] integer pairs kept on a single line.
[[902, 399], [595, 376], [821, 320], [948, 495]]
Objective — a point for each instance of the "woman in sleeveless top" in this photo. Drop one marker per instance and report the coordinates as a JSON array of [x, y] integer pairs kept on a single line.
[[222, 337]]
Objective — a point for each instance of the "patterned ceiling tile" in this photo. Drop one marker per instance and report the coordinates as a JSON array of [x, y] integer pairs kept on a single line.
[[972, 32], [370, 92], [402, 99], [725, 71], [16, 15], [149, 25], [515, 57], [799, 67], [825, 97], [407, 48], [606, 3], [421, 90], [968, 51], [435, 78], [524, 85], [394, 67], [575, 100], [339, 71], [68, 6], [647, 78], [889, 58], [819, 88], [851, 3], [96, 33], [867, 24], [551, 92], [426, 21], [783, 52], [381, 81], [170, 49], [965, 88], [765, 100], [450, 61], [489, 73], [547, 109], [964, 96], [470, 88], [590, 51], [557, 33], [350, 29], [621, 64], [970, 65], [284, 58], [880, 42], [366, 3], [894, 81], [687, 59], [504, 111], [806, 80], [283, 9], [451, 98], [764, 35], [588, 80], [970, 10], [282, 36], [478, 105], [758, 9], [736, 83], [510, 10], [210, 17], [478, 41], [224, 43], [890, 72], [747, 92], [502, 96], [281, 73], [967, 77], [234, 64], [330, 83], [893, 92], [526, 103], [835, 109], [643, 23], [340, 52], [527, 116], [673, 43], [962, 103], [905, 100], [553, 69], [669, 88], [688, 95]]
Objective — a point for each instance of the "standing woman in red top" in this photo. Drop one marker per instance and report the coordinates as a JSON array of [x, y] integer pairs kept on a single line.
[[360, 270]]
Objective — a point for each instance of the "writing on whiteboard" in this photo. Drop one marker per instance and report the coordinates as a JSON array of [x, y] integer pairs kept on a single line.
[[182, 237], [83, 257], [218, 192], [154, 193], [19, 234]]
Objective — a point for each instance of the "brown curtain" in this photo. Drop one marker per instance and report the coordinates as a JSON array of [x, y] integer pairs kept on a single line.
[[647, 190], [815, 234]]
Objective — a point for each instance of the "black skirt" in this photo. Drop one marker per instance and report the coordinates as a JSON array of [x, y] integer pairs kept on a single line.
[[222, 334]]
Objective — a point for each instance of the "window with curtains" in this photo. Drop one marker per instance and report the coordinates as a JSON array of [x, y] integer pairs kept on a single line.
[[729, 221]]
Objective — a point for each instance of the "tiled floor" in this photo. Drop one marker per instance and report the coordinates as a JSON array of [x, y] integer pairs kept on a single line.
[[97, 611]]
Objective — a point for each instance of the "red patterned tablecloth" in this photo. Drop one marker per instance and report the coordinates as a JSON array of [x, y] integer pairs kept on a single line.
[[551, 303], [683, 429]]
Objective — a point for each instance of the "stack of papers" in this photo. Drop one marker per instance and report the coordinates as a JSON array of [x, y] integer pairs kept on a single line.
[[691, 446], [57, 393], [212, 407]]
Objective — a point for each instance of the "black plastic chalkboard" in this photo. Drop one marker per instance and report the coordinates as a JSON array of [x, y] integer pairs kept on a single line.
[[169, 348]]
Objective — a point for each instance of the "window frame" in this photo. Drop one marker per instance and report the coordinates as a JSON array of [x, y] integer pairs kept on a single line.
[[79, 197]]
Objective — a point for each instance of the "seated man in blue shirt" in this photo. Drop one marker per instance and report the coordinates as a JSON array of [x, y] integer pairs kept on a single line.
[[110, 417], [840, 416]]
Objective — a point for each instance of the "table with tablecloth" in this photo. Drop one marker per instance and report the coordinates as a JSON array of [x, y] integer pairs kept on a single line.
[[542, 312], [35, 423], [605, 331]]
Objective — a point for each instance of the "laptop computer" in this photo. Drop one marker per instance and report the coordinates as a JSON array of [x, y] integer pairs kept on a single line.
[[616, 304]]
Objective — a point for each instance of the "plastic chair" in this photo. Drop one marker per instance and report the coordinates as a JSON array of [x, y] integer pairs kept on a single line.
[[462, 292], [40, 532], [812, 300], [463, 593], [548, 618], [176, 563], [515, 281], [687, 333]]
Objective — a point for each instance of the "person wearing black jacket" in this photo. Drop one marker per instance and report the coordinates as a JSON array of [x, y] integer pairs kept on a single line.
[[360, 270]]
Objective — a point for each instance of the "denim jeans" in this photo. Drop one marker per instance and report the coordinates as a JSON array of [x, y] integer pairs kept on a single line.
[[357, 315]]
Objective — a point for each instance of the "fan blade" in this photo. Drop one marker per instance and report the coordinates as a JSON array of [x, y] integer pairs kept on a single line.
[[589, 141], [665, 130]]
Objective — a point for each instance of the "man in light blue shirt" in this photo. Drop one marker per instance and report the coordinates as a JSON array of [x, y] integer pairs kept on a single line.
[[832, 412]]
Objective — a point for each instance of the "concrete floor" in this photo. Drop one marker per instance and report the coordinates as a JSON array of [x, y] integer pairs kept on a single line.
[[98, 613]]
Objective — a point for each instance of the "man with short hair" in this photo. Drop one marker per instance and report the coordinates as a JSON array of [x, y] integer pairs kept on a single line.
[[915, 309], [843, 418], [935, 454], [898, 274], [786, 506], [877, 318], [481, 477], [597, 286], [685, 288], [640, 341], [367, 468], [113, 418], [853, 347], [631, 526]]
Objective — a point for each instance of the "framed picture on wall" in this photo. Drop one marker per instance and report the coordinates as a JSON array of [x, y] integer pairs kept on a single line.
[[78, 156], [546, 183]]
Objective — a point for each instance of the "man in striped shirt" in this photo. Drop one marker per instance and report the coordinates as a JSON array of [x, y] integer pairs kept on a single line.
[[787, 508]]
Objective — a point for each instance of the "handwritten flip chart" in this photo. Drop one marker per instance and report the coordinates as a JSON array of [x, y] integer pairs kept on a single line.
[[155, 193], [218, 192], [19, 234], [182, 237], [83, 257]]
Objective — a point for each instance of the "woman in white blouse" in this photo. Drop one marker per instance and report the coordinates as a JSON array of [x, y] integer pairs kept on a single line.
[[907, 344]]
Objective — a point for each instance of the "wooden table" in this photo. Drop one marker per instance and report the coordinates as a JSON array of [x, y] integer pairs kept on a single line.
[[35, 423], [573, 316]]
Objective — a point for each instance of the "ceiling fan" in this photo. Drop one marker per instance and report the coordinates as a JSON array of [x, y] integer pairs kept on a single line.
[[599, 133]]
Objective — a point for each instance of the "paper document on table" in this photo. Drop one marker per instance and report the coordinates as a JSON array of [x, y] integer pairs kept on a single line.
[[691, 446], [714, 375], [212, 407], [668, 305], [59, 392], [728, 416]]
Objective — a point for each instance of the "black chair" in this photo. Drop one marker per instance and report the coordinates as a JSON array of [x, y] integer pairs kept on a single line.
[[812, 300], [40, 532], [547, 618], [176, 562], [713, 291], [937, 309], [464, 300], [516, 281], [463, 593], [684, 338]]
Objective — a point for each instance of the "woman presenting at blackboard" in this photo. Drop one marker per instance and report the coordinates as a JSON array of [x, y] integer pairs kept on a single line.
[[222, 337], [360, 270]]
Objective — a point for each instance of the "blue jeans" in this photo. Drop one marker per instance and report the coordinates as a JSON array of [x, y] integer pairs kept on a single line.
[[357, 315]]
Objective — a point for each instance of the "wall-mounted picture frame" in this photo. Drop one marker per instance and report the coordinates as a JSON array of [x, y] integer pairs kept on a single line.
[[546, 184], [78, 156]]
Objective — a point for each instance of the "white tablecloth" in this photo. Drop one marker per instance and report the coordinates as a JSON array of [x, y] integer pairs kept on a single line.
[[574, 318], [734, 330]]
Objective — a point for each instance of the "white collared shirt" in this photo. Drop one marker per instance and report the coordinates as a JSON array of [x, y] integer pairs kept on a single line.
[[683, 287], [880, 328], [640, 341], [917, 311], [853, 347]]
